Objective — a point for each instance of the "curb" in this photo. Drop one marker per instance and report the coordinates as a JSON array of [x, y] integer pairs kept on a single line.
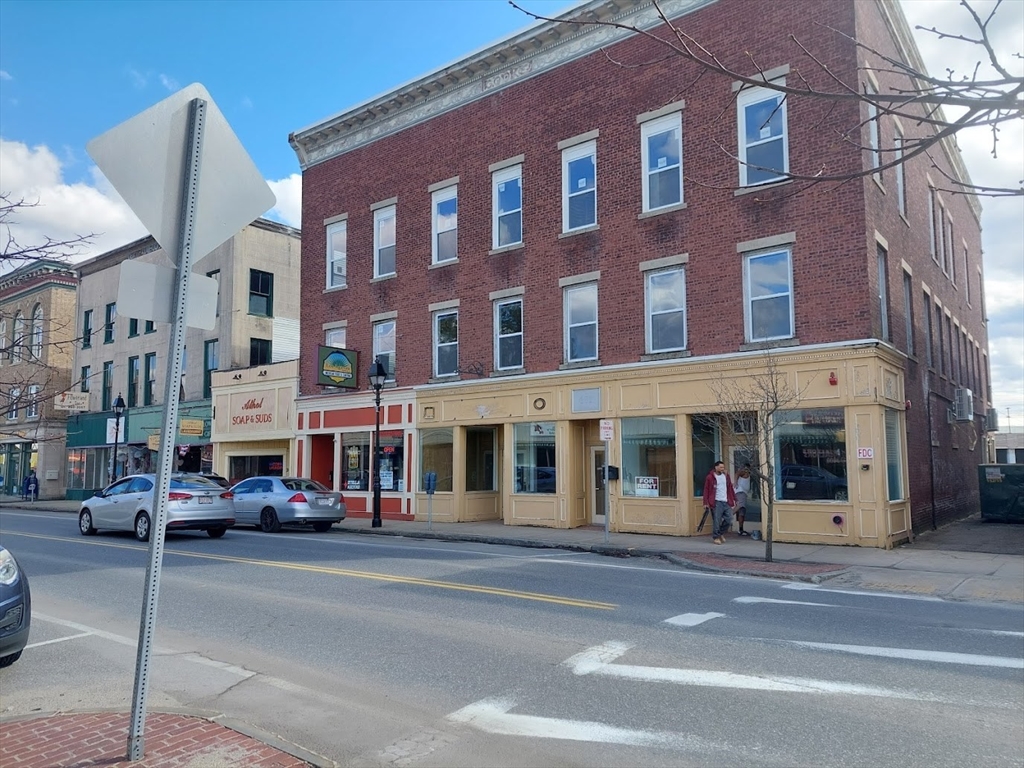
[[739, 570], [247, 730]]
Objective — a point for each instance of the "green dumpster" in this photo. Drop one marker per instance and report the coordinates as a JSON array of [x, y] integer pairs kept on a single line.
[[1002, 492]]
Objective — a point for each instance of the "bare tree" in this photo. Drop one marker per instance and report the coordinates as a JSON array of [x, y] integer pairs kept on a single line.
[[920, 100], [14, 253]]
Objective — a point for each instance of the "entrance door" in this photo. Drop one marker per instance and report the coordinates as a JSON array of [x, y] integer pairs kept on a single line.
[[738, 457], [597, 485]]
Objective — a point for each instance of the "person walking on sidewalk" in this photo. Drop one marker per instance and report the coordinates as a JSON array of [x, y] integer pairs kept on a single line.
[[719, 497], [30, 487], [742, 489]]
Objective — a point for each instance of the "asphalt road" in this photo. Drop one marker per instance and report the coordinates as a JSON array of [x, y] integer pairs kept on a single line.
[[422, 653]]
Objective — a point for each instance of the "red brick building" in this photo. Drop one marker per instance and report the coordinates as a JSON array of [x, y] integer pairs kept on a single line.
[[543, 236]]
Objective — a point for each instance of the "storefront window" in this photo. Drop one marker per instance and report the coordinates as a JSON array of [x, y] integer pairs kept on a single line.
[[436, 455], [76, 470], [243, 467], [649, 457], [392, 461], [535, 457], [355, 461], [810, 455], [479, 459], [893, 455], [704, 447]]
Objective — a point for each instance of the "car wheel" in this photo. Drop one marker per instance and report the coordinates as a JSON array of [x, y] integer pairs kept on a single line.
[[85, 523], [268, 521], [216, 533], [142, 527], [322, 527], [6, 661], [841, 494]]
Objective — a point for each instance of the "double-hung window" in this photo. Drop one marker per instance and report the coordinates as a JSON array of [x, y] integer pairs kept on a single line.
[[133, 381], [384, 346], [507, 206], [901, 178], [261, 293], [933, 246], [384, 241], [662, 156], [336, 337], [149, 390], [32, 406], [110, 314], [926, 317], [908, 310], [444, 204], [13, 398], [581, 322], [260, 351], [108, 385], [579, 186], [86, 374], [446, 343], [883, 290], [768, 290], [211, 362], [763, 136], [508, 334], [337, 254], [874, 140], [133, 327], [666, 310], [36, 344]]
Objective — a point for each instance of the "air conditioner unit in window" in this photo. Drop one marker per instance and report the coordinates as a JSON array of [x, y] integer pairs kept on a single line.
[[338, 270], [992, 420], [963, 405]]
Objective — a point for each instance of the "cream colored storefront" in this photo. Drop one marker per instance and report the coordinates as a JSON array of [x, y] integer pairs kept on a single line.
[[253, 430], [528, 449]]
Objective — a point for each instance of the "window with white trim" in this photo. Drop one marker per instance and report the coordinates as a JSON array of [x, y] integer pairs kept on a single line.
[[883, 290], [446, 343], [763, 136], [337, 255], [581, 322], [507, 206], [384, 345], [579, 186], [929, 339], [508, 334], [950, 250], [901, 179], [32, 407], [768, 293], [445, 224], [874, 145], [967, 277], [36, 342], [335, 337], [12, 408], [384, 241], [662, 156], [932, 239], [908, 310], [940, 230], [665, 297]]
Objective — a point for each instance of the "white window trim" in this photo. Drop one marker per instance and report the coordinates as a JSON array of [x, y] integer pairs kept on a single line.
[[874, 132], [331, 261], [567, 326], [376, 350], [500, 177], [900, 171], [750, 96], [648, 129], [32, 406], [380, 215], [340, 329], [12, 404], [649, 315], [436, 197], [498, 303], [569, 155], [748, 314], [437, 341], [932, 241]]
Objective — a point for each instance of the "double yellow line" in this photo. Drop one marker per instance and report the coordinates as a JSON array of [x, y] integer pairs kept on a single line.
[[386, 577]]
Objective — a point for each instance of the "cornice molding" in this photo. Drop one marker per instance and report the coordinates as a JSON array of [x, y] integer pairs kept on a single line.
[[534, 51]]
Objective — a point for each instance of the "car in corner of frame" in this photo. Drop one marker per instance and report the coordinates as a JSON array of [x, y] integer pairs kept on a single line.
[[194, 503], [272, 502], [15, 609]]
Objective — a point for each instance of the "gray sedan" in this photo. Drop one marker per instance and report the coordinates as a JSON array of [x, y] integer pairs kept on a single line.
[[270, 502], [193, 503]]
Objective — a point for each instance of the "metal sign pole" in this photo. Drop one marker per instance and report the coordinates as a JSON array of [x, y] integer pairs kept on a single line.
[[607, 497], [194, 150]]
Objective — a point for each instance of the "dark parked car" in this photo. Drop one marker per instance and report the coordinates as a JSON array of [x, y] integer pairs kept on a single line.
[[812, 484], [270, 502], [15, 609]]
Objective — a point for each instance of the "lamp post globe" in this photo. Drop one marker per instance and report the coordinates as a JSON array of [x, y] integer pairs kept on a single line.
[[378, 375], [117, 407]]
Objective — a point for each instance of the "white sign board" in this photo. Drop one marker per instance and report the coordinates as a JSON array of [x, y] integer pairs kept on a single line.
[[146, 291], [607, 430], [387, 480], [865, 453], [647, 486], [111, 424], [71, 401]]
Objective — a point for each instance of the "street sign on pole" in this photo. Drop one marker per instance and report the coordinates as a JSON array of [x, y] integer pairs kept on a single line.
[[185, 175], [607, 429]]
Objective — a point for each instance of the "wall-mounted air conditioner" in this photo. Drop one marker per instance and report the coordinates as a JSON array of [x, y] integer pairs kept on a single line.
[[992, 420], [963, 405]]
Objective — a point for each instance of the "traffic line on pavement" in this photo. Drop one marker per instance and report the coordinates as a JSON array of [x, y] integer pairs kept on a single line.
[[751, 600], [692, 619], [85, 629], [863, 593], [409, 580], [942, 657], [598, 661], [58, 640], [492, 716]]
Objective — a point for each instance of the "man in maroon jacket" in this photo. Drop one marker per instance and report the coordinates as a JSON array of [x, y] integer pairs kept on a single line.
[[720, 498]]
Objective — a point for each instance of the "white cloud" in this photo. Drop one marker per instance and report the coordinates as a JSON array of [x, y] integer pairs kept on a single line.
[[137, 78], [169, 83], [289, 200], [5, 75]]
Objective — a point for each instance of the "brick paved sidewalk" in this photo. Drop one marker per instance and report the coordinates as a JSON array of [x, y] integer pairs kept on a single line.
[[80, 740]]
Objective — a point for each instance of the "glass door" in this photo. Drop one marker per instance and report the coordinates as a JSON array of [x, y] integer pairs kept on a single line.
[[598, 496]]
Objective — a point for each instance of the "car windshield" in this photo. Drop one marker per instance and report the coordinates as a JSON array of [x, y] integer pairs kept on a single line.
[[193, 481], [302, 484]]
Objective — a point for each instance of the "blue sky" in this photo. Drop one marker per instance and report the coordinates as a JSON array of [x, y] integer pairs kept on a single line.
[[71, 70]]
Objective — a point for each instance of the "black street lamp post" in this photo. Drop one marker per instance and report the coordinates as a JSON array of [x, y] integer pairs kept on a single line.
[[118, 408], [378, 375]]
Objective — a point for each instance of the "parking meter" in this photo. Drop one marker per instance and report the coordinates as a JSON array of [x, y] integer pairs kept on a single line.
[[430, 482]]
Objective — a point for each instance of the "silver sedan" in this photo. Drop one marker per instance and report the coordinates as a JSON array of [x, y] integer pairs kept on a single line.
[[194, 503], [270, 502]]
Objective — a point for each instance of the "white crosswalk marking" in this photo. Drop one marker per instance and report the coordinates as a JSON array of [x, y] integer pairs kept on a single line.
[[942, 657], [692, 619]]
